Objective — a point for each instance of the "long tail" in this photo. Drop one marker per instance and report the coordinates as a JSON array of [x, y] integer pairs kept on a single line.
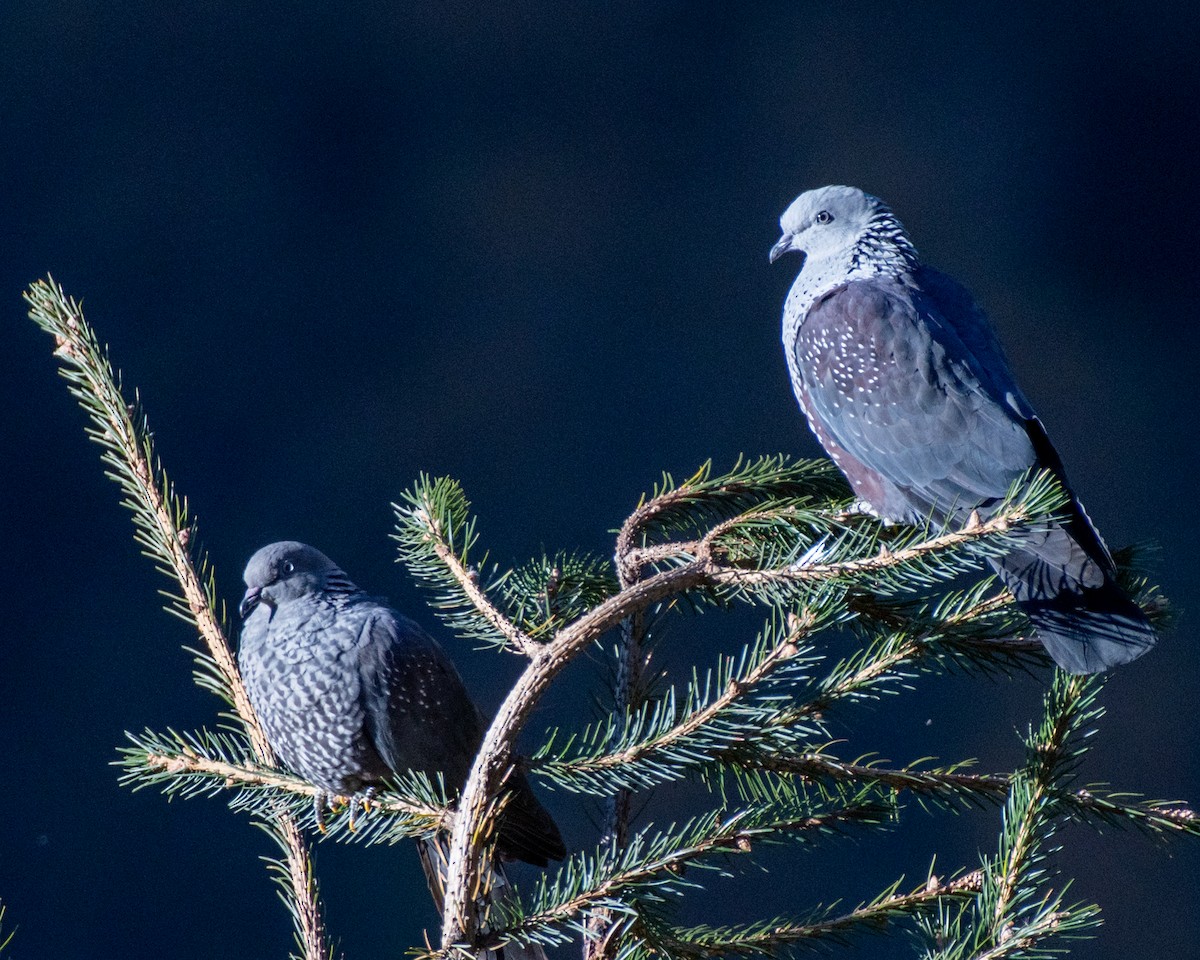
[[434, 861], [1063, 578]]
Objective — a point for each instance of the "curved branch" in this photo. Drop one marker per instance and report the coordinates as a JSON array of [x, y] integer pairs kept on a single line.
[[493, 760]]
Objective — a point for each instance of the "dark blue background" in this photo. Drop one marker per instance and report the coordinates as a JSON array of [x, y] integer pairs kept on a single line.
[[525, 244]]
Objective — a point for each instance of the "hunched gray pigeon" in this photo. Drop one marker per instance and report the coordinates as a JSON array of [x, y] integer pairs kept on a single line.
[[351, 693]]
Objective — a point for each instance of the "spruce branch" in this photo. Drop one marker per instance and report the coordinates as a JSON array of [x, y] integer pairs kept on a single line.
[[778, 552], [1052, 756], [436, 533], [703, 499], [208, 764], [549, 592], [986, 534], [973, 629], [1016, 914], [1026, 503], [4, 943], [1094, 804], [162, 525], [167, 535], [494, 756], [769, 938], [293, 874], [654, 863], [629, 695], [493, 759], [948, 783], [727, 710]]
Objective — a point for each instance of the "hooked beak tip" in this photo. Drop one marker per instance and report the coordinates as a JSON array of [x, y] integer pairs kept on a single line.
[[251, 600], [783, 246]]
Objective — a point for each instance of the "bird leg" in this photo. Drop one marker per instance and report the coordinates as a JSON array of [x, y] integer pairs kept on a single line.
[[365, 798], [325, 803], [320, 808]]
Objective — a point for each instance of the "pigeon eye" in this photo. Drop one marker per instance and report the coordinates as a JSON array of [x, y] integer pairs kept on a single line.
[[823, 217], [288, 568]]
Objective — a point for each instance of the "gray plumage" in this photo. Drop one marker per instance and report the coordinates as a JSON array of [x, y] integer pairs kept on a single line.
[[905, 385], [351, 693]]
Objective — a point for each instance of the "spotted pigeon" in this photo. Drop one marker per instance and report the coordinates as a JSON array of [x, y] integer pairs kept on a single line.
[[905, 385], [351, 693]]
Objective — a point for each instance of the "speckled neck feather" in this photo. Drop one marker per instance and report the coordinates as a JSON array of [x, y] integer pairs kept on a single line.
[[882, 249]]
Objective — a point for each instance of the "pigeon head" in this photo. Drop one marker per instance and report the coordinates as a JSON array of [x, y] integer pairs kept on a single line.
[[288, 570], [845, 227]]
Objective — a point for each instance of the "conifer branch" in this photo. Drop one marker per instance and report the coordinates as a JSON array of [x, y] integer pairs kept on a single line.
[[766, 709], [628, 696], [1068, 706], [703, 499], [1094, 804], [728, 837], [4, 943], [884, 559], [949, 632], [600, 885], [203, 763], [1015, 911], [727, 711], [547, 593], [949, 784], [298, 886], [468, 581], [769, 938], [167, 536], [436, 532], [160, 517], [493, 759]]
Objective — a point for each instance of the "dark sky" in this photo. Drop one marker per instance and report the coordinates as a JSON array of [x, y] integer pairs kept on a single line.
[[525, 244]]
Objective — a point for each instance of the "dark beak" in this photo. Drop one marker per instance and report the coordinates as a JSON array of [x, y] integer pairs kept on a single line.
[[783, 246], [251, 600]]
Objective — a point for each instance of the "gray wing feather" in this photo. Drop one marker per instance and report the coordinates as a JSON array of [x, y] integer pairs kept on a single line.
[[898, 386], [418, 713], [420, 717], [955, 305], [905, 384]]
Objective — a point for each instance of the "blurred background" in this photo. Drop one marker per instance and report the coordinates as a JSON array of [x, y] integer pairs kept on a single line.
[[525, 244]]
